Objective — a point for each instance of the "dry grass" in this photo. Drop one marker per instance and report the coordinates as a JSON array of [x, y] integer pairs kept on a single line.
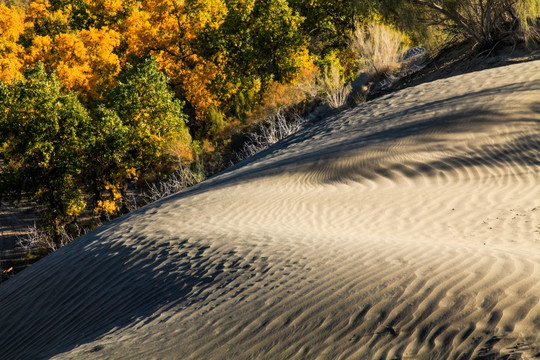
[[379, 47], [180, 179], [269, 132], [333, 87]]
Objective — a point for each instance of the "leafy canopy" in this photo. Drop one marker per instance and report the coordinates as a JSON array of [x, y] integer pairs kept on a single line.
[[44, 134]]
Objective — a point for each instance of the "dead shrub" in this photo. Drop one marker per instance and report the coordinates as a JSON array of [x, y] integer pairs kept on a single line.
[[180, 179], [37, 239], [488, 22], [270, 131]]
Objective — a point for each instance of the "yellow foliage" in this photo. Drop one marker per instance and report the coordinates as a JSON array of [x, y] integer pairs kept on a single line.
[[166, 28], [103, 8], [181, 150], [11, 23], [109, 206], [69, 59], [84, 62], [41, 47], [38, 10], [105, 207], [75, 207], [196, 83], [10, 62], [105, 64], [11, 27], [282, 95], [132, 174]]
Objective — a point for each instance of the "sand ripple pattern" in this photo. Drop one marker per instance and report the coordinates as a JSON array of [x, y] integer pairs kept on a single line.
[[406, 228]]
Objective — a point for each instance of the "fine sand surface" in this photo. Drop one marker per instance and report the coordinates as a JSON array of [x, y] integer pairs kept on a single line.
[[406, 228]]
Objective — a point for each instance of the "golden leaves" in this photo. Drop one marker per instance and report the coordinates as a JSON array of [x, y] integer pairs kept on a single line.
[[11, 23], [11, 27], [104, 8], [166, 29], [109, 206], [83, 61], [105, 64]]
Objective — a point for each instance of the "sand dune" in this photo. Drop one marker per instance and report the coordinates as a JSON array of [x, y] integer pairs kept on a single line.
[[406, 228]]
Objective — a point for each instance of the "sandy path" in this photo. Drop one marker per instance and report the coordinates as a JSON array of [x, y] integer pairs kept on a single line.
[[407, 228]]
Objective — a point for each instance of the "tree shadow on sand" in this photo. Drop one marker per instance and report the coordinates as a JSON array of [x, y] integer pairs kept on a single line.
[[97, 284], [347, 134]]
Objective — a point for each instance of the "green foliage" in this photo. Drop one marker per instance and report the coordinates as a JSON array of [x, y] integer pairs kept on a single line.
[[258, 42], [327, 22], [140, 131], [277, 39], [215, 122], [150, 115], [54, 151], [44, 134], [108, 144]]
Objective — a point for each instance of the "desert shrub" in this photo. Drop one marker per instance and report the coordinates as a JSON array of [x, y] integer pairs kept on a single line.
[[180, 179], [378, 47], [269, 132], [487, 21], [36, 239], [333, 86]]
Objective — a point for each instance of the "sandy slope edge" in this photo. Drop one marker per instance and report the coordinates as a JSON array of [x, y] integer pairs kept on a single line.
[[404, 228]]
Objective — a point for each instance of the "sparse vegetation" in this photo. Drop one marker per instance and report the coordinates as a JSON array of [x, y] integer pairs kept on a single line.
[[378, 47], [488, 22], [182, 178], [333, 86], [37, 240], [269, 132]]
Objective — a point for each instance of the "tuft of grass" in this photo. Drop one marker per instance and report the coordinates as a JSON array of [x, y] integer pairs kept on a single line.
[[333, 86], [379, 47]]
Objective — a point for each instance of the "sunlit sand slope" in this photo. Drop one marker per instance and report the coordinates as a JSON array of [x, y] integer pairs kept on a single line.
[[406, 228]]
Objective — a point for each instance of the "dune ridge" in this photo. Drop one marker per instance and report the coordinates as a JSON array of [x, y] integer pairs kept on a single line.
[[405, 228]]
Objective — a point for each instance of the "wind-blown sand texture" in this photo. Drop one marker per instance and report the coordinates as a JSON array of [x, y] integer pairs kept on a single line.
[[406, 228]]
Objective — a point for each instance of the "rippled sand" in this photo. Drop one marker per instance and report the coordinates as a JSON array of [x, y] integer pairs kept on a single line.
[[406, 228]]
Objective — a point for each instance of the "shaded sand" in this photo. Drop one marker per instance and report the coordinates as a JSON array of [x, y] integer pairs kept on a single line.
[[407, 228]]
